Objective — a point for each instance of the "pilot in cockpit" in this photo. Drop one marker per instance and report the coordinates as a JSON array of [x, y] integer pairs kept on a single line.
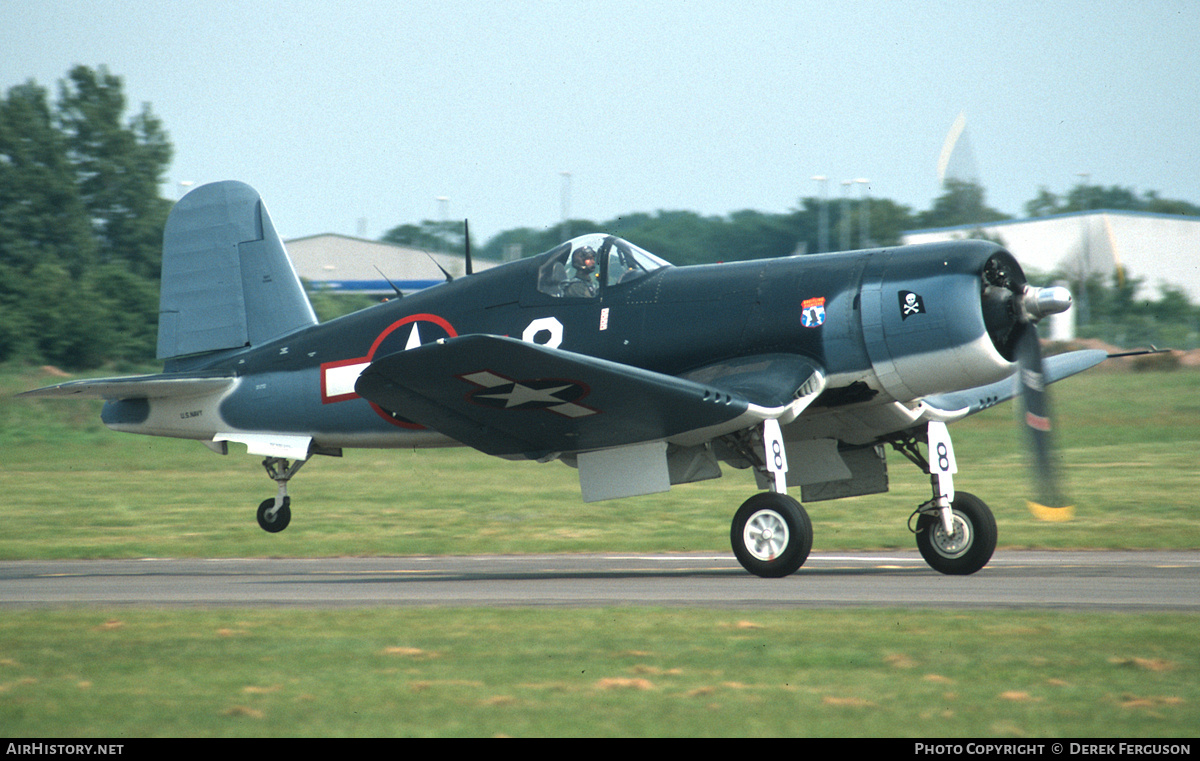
[[586, 279]]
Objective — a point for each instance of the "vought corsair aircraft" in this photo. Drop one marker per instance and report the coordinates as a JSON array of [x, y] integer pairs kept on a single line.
[[802, 370]]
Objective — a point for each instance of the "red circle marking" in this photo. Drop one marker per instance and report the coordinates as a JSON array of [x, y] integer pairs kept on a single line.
[[423, 317]]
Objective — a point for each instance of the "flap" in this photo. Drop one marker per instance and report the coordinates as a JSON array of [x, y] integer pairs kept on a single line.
[[270, 444], [508, 397]]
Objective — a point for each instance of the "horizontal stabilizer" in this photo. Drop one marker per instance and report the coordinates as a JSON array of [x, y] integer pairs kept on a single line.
[[164, 386], [1053, 369], [508, 397]]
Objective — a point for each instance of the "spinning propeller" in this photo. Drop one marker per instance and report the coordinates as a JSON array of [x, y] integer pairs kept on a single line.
[[1050, 504], [1012, 310]]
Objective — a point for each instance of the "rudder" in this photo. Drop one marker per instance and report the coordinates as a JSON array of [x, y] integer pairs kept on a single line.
[[227, 281]]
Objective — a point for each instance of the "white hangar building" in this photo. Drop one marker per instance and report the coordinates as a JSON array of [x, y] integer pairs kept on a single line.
[[1158, 249], [344, 264]]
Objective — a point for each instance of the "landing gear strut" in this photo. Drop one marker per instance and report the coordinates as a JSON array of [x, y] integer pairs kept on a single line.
[[956, 532], [275, 514], [968, 546], [771, 533]]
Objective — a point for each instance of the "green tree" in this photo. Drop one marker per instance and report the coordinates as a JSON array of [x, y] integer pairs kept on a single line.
[[1044, 205], [80, 224], [527, 241], [1089, 197], [680, 237], [45, 238], [118, 168], [888, 221], [1084, 197], [962, 204], [1153, 203], [446, 237], [752, 234]]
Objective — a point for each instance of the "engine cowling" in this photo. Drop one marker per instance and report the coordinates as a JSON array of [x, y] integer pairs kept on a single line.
[[943, 317]]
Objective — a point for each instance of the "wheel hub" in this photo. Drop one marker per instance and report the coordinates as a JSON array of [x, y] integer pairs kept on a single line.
[[765, 535], [955, 544]]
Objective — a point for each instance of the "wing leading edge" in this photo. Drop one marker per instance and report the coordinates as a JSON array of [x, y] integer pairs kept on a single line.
[[163, 386], [972, 400], [512, 398]]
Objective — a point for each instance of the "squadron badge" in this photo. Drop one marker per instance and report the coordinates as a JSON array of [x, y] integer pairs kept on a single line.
[[812, 312]]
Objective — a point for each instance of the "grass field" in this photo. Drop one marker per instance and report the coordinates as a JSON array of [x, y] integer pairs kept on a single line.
[[596, 672], [1130, 444]]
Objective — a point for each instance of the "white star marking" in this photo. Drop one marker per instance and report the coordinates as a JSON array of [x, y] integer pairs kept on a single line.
[[525, 395], [414, 339]]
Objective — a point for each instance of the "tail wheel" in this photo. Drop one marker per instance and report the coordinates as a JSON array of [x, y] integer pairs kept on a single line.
[[277, 520], [968, 547], [771, 535]]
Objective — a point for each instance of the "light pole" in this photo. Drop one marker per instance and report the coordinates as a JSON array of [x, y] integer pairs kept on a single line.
[[864, 214], [822, 215], [1085, 199], [845, 220], [444, 227], [566, 205]]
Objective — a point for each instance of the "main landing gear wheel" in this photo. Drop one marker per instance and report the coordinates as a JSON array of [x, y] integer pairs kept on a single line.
[[771, 535], [273, 520], [971, 544]]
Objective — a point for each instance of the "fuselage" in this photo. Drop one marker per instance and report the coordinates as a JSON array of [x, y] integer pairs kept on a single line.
[[671, 320]]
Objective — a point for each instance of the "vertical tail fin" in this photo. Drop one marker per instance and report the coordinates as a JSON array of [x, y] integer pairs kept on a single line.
[[227, 281]]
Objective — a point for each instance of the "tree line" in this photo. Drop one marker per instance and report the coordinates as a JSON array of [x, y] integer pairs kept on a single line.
[[685, 237], [81, 222]]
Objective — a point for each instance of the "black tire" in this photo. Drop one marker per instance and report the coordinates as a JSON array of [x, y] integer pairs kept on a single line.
[[283, 516], [969, 548], [771, 535]]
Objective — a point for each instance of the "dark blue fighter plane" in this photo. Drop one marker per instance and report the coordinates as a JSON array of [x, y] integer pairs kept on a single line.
[[802, 370]]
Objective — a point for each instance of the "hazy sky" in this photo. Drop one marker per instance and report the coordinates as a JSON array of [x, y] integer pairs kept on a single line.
[[341, 111]]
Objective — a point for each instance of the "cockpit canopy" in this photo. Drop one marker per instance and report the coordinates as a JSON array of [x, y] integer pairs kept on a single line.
[[583, 266]]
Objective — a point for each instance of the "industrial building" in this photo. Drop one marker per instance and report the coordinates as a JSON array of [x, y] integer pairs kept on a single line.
[[1156, 249], [343, 264]]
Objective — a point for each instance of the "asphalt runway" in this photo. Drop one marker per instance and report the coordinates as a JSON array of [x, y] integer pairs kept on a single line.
[[1111, 581]]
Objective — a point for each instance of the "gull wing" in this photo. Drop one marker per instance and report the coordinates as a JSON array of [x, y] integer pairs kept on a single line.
[[512, 398]]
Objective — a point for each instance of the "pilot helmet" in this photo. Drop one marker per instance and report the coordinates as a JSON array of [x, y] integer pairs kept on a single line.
[[584, 258]]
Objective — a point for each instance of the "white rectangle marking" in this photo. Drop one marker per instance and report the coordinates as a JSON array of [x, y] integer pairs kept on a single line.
[[339, 381]]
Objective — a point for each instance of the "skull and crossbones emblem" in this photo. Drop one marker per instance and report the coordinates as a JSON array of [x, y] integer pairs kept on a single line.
[[910, 304]]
